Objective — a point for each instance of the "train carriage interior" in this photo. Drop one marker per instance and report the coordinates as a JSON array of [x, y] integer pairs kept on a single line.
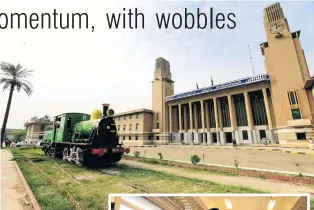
[[253, 202]]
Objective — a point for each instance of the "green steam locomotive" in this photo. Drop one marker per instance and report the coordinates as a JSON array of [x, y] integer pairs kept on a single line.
[[90, 140]]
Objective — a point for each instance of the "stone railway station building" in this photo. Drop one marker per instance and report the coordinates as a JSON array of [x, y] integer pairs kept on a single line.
[[277, 106]]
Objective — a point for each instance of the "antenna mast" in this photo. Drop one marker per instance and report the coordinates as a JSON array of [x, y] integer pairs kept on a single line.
[[251, 60]]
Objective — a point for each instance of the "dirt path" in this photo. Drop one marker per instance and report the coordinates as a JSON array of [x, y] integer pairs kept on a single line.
[[14, 195], [254, 183]]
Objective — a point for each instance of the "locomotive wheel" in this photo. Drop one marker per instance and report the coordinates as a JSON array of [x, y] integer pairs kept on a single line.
[[65, 154], [52, 152], [79, 157], [45, 151]]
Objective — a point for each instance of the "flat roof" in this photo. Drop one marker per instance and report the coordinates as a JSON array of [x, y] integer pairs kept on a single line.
[[71, 113], [42, 122], [133, 112], [219, 87]]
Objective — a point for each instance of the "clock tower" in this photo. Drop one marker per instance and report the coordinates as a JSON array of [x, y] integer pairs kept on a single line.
[[162, 87], [288, 71]]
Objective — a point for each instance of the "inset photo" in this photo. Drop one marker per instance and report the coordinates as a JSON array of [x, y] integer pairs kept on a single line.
[[209, 202]]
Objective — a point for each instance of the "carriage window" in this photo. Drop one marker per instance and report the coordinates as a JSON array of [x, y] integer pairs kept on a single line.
[[69, 122]]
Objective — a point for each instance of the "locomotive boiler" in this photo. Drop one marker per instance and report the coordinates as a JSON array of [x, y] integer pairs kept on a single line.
[[90, 140]]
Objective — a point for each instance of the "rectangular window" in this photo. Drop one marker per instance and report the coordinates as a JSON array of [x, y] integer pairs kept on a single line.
[[240, 110], [136, 137], [157, 125], [157, 137], [118, 127], [123, 127], [124, 117], [41, 137], [136, 127], [245, 135], [137, 115], [182, 136], [258, 108], [262, 134], [296, 115], [157, 116], [149, 137], [211, 112], [292, 97], [301, 136], [130, 116], [130, 137], [228, 136], [123, 137], [214, 135], [42, 127], [225, 113], [130, 127]]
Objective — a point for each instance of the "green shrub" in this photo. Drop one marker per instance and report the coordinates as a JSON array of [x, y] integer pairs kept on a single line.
[[160, 156], [195, 159], [136, 154]]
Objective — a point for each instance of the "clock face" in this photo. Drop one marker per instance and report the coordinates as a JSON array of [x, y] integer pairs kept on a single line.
[[277, 27]]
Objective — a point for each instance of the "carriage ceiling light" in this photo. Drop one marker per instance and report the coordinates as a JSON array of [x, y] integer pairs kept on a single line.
[[271, 203], [228, 203]]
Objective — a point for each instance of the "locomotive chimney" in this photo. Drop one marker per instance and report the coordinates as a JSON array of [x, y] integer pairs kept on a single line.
[[104, 109]]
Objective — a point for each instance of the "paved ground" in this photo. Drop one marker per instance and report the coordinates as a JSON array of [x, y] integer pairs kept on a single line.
[[248, 158], [268, 186], [13, 193]]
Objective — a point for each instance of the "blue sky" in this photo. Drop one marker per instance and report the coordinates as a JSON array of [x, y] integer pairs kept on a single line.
[[78, 70]]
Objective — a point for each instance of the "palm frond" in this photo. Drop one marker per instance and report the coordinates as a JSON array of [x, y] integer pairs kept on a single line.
[[28, 90], [6, 86], [8, 69], [15, 76]]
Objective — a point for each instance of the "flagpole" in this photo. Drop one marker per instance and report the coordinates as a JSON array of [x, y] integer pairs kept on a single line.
[[251, 60]]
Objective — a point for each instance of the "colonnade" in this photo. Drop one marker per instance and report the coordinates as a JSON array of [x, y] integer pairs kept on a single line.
[[244, 117]]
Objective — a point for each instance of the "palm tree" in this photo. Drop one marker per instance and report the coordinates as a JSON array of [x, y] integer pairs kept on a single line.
[[13, 79]]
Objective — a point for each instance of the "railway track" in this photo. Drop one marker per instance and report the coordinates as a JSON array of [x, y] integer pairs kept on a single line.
[[116, 171]]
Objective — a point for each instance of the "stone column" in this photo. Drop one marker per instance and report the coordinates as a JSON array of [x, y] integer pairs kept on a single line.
[[203, 123], [249, 116], [185, 116], [217, 120], [233, 119], [180, 122], [196, 135], [270, 123], [190, 140], [170, 119], [207, 117], [191, 116]]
